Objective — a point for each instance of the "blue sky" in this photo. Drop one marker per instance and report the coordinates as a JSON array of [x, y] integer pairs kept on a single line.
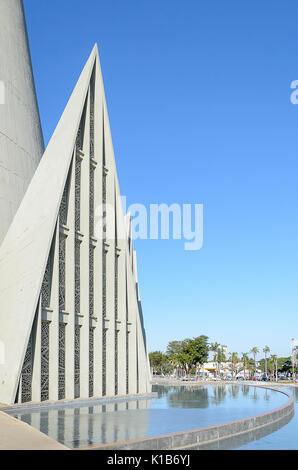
[[198, 94]]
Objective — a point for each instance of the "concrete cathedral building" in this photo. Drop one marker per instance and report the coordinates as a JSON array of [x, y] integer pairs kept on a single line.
[[71, 323]]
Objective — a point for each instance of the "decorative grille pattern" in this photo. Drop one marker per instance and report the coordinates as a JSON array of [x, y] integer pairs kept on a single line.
[[62, 246], [127, 339], [104, 362], [77, 194], [92, 119], [91, 249], [63, 207], [91, 281], [104, 289], [104, 284], [79, 139], [77, 362], [61, 362], [127, 367], [116, 362], [77, 277], [26, 375], [91, 362], [137, 360], [116, 324], [91, 203], [45, 343], [46, 287], [116, 287]]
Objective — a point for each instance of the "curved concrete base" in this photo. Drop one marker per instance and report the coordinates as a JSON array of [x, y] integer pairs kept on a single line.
[[197, 438]]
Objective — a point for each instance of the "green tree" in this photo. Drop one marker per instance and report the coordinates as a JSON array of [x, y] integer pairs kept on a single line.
[[159, 362], [189, 352], [195, 351]]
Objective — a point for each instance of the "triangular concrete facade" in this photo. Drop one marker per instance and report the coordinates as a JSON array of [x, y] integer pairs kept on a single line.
[[70, 317]]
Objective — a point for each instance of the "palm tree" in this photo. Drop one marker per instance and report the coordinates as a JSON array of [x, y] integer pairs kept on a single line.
[[274, 360], [220, 358], [245, 361], [214, 348], [265, 351], [254, 351], [234, 360]]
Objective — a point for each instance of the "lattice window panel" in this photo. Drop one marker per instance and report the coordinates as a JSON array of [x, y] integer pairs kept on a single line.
[[91, 281], [104, 283], [116, 362], [45, 344], [91, 202], [104, 362], [62, 253], [61, 361], [77, 277], [104, 189], [77, 362], [79, 139], [116, 325], [91, 362], [64, 207], [92, 120], [46, 286], [78, 168], [127, 363], [137, 359], [104, 313], [116, 287], [127, 338], [26, 375]]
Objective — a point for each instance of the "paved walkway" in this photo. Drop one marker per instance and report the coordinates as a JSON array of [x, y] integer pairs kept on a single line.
[[17, 435]]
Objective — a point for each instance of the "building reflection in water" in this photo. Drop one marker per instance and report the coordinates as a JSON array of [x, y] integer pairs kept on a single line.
[[87, 426], [176, 408]]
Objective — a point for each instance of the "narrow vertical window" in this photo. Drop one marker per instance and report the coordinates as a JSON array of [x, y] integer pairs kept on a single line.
[[61, 362], [116, 324], [91, 362], [45, 343], [77, 362], [26, 375]]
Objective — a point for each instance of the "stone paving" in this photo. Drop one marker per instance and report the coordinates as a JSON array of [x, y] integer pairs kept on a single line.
[[17, 435]]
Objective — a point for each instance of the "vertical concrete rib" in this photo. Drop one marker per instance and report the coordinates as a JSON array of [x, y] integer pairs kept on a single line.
[[21, 140]]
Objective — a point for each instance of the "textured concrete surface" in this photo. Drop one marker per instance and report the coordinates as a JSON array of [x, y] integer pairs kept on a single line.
[[21, 140], [17, 435]]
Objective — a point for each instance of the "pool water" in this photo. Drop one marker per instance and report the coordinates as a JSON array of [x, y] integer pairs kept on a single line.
[[285, 438], [174, 409]]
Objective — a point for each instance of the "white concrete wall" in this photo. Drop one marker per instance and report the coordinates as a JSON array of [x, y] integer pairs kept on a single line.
[[31, 233], [21, 140]]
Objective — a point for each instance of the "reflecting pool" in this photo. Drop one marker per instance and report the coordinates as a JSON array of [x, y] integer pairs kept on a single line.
[[285, 438], [176, 408]]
